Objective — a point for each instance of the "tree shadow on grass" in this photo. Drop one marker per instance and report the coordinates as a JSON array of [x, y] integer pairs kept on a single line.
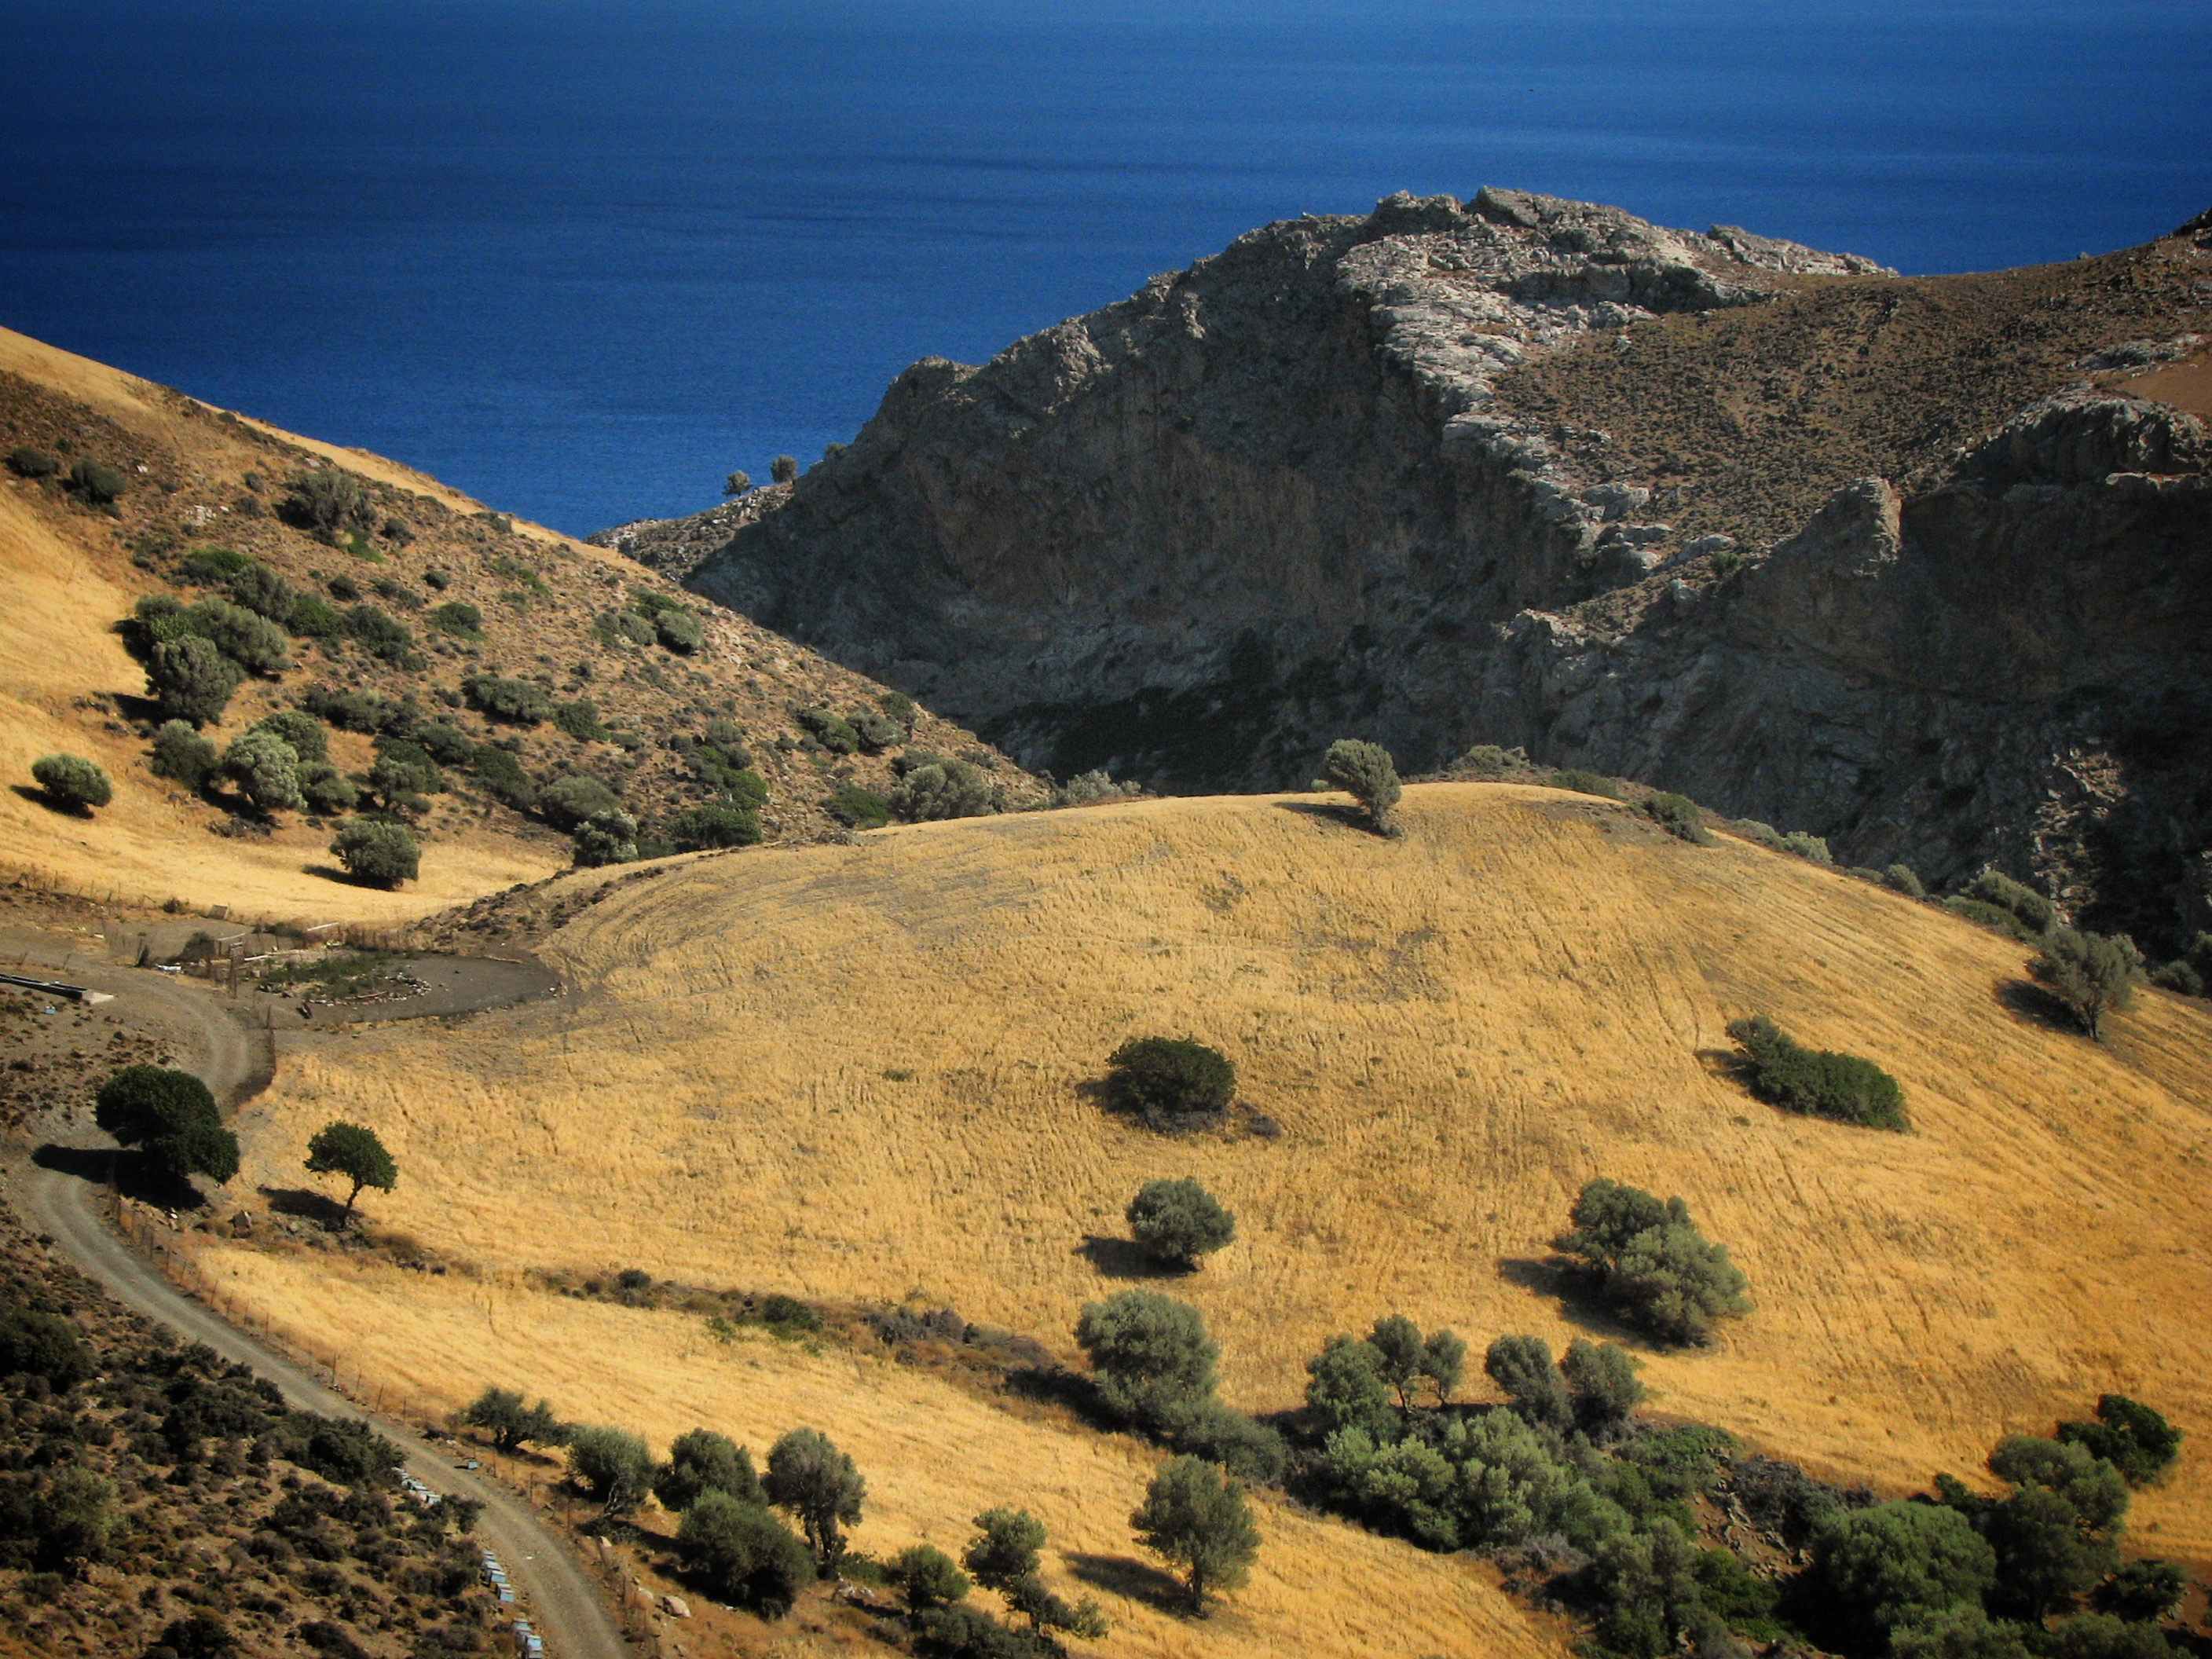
[[1124, 1575], [60, 809], [306, 1204], [1577, 1294], [2032, 1003], [1352, 818], [1122, 1258]]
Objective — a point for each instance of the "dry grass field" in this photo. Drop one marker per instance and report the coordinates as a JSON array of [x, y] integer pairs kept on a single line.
[[933, 1456], [860, 1071]]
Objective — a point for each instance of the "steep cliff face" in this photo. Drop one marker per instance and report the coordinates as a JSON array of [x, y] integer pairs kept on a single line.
[[1195, 534], [1454, 472]]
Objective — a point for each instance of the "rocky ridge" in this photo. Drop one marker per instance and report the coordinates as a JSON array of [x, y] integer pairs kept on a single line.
[[1430, 476]]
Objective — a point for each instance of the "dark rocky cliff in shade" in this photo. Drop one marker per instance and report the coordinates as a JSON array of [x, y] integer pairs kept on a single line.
[[1460, 472]]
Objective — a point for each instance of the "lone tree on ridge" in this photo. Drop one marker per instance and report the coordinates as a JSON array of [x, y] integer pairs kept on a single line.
[[1366, 773], [737, 483], [354, 1152]]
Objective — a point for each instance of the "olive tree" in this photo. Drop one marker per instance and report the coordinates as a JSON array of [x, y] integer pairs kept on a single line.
[[2092, 974], [352, 1151], [700, 1461], [821, 1487], [614, 1465], [380, 854], [743, 1553], [510, 1423], [266, 769], [171, 1119], [1346, 1387], [1171, 1083], [1196, 1517], [1652, 1263], [72, 781], [1179, 1221], [1522, 1367], [1366, 773], [1884, 1566], [191, 680], [1150, 1354]]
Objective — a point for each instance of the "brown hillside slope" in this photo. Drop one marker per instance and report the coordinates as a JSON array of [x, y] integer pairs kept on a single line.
[[200, 477], [860, 1072]]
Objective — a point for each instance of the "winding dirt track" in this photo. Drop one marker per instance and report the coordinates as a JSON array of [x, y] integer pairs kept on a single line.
[[565, 1606]]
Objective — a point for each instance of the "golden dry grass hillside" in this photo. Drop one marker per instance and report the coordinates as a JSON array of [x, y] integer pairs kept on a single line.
[[197, 476], [860, 1072], [933, 1455]]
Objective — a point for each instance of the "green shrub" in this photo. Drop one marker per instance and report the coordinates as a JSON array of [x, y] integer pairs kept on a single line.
[[29, 463], [1652, 1263], [517, 702], [266, 769], [461, 620], [190, 680], [182, 754], [2092, 974], [2190, 973], [899, 706], [1409, 1357], [1817, 1081], [1900, 879], [783, 469], [1886, 1566], [612, 1464], [381, 855], [1152, 1358], [448, 745], [73, 781], [832, 731], [98, 485], [1994, 917], [1489, 760], [171, 1118], [306, 736], [858, 808], [1171, 1083], [605, 838], [680, 631], [503, 778], [1601, 1379], [2141, 1592], [944, 789], [1585, 783], [1366, 773], [1810, 847], [212, 566], [581, 720], [404, 769], [262, 591], [1522, 1367], [876, 731], [383, 636], [35, 1344], [699, 1462], [327, 791], [359, 711], [343, 588], [1087, 786], [569, 801], [1765, 834], [727, 736], [928, 1577], [1178, 1221], [398, 592], [511, 1423], [1249, 1450], [625, 626], [699, 828], [2133, 1438], [325, 500], [1992, 887], [1346, 1388], [1677, 815], [313, 618], [254, 643]]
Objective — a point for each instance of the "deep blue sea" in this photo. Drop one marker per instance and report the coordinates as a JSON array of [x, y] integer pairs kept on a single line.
[[582, 258]]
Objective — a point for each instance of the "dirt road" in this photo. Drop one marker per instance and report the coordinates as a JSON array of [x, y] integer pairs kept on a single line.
[[565, 1604]]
